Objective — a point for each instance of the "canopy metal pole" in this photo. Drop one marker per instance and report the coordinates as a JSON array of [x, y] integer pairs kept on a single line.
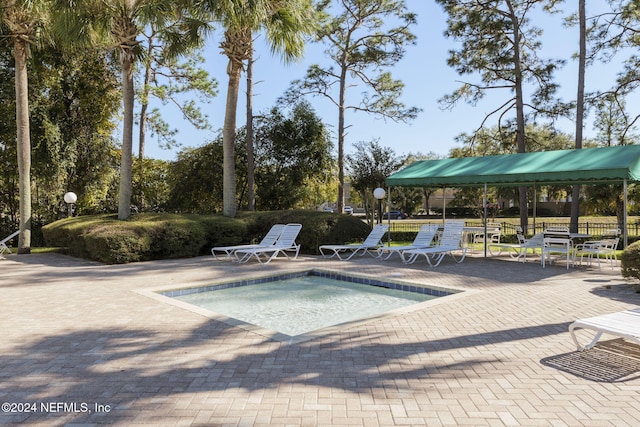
[[535, 206], [389, 216], [624, 217], [444, 205], [484, 213]]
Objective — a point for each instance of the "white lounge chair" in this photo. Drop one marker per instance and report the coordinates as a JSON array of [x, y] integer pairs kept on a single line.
[[534, 243], [3, 243], [268, 240], [450, 242], [370, 245], [286, 243], [423, 239], [625, 324], [514, 249]]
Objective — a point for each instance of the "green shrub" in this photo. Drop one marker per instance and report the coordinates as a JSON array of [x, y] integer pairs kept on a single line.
[[116, 244], [151, 236], [403, 236], [175, 238], [223, 231], [318, 228], [146, 237], [630, 263]]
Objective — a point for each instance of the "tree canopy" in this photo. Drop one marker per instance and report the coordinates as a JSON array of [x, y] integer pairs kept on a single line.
[[363, 40]]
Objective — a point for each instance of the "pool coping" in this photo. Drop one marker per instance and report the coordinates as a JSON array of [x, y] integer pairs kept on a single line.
[[159, 293]]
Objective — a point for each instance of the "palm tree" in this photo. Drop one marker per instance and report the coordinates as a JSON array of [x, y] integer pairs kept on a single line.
[[285, 25], [20, 21], [116, 24]]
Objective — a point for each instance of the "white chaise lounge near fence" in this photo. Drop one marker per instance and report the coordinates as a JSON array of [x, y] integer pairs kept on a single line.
[[423, 239], [450, 243]]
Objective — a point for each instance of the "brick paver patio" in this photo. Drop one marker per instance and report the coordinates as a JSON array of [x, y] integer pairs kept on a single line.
[[80, 346]]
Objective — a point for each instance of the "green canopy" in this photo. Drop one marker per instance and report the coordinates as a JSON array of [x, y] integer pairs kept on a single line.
[[587, 165]]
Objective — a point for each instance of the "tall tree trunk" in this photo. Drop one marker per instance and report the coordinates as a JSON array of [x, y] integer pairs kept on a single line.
[[520, 119], [251, 195], [582, 60], [229, 206], [23, 144], [142, 132], [341, 110], [124, 196]]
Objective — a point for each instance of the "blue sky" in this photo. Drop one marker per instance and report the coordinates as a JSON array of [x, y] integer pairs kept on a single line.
[[426, 77]]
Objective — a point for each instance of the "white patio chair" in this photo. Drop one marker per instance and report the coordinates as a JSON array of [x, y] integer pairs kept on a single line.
[[3, 243], [605, 248], [493, 231], [611, 233], [558, 246], [554, 230]]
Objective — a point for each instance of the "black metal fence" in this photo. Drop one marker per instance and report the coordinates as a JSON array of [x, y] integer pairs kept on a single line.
[[594, 228]]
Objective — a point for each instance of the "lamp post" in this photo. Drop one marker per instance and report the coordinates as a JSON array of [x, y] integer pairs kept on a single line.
[[379, 194], [70, 198]]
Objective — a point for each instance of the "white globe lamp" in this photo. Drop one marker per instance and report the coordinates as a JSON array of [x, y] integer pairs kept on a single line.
[[379, 193], [70, 198]]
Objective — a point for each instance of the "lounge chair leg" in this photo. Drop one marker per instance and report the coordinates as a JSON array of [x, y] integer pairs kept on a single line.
[[410, 260], [464, 253], [593, 342], [588, 346], [438, 259]]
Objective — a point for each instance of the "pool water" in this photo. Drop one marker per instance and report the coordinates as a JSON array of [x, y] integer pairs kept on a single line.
[[299, 305]]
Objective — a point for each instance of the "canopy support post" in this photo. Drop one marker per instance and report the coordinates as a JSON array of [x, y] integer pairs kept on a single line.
[[444, 205], [484, 214], [624, 217], [389, 216], [535, 207]]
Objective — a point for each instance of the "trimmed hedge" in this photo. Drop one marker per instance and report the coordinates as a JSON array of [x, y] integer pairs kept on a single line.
[[150, 236]]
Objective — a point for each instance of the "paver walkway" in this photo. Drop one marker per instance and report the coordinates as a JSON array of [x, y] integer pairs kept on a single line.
[[81, 347]]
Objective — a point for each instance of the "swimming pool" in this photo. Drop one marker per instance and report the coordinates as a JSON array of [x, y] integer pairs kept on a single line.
[[295, 304]]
